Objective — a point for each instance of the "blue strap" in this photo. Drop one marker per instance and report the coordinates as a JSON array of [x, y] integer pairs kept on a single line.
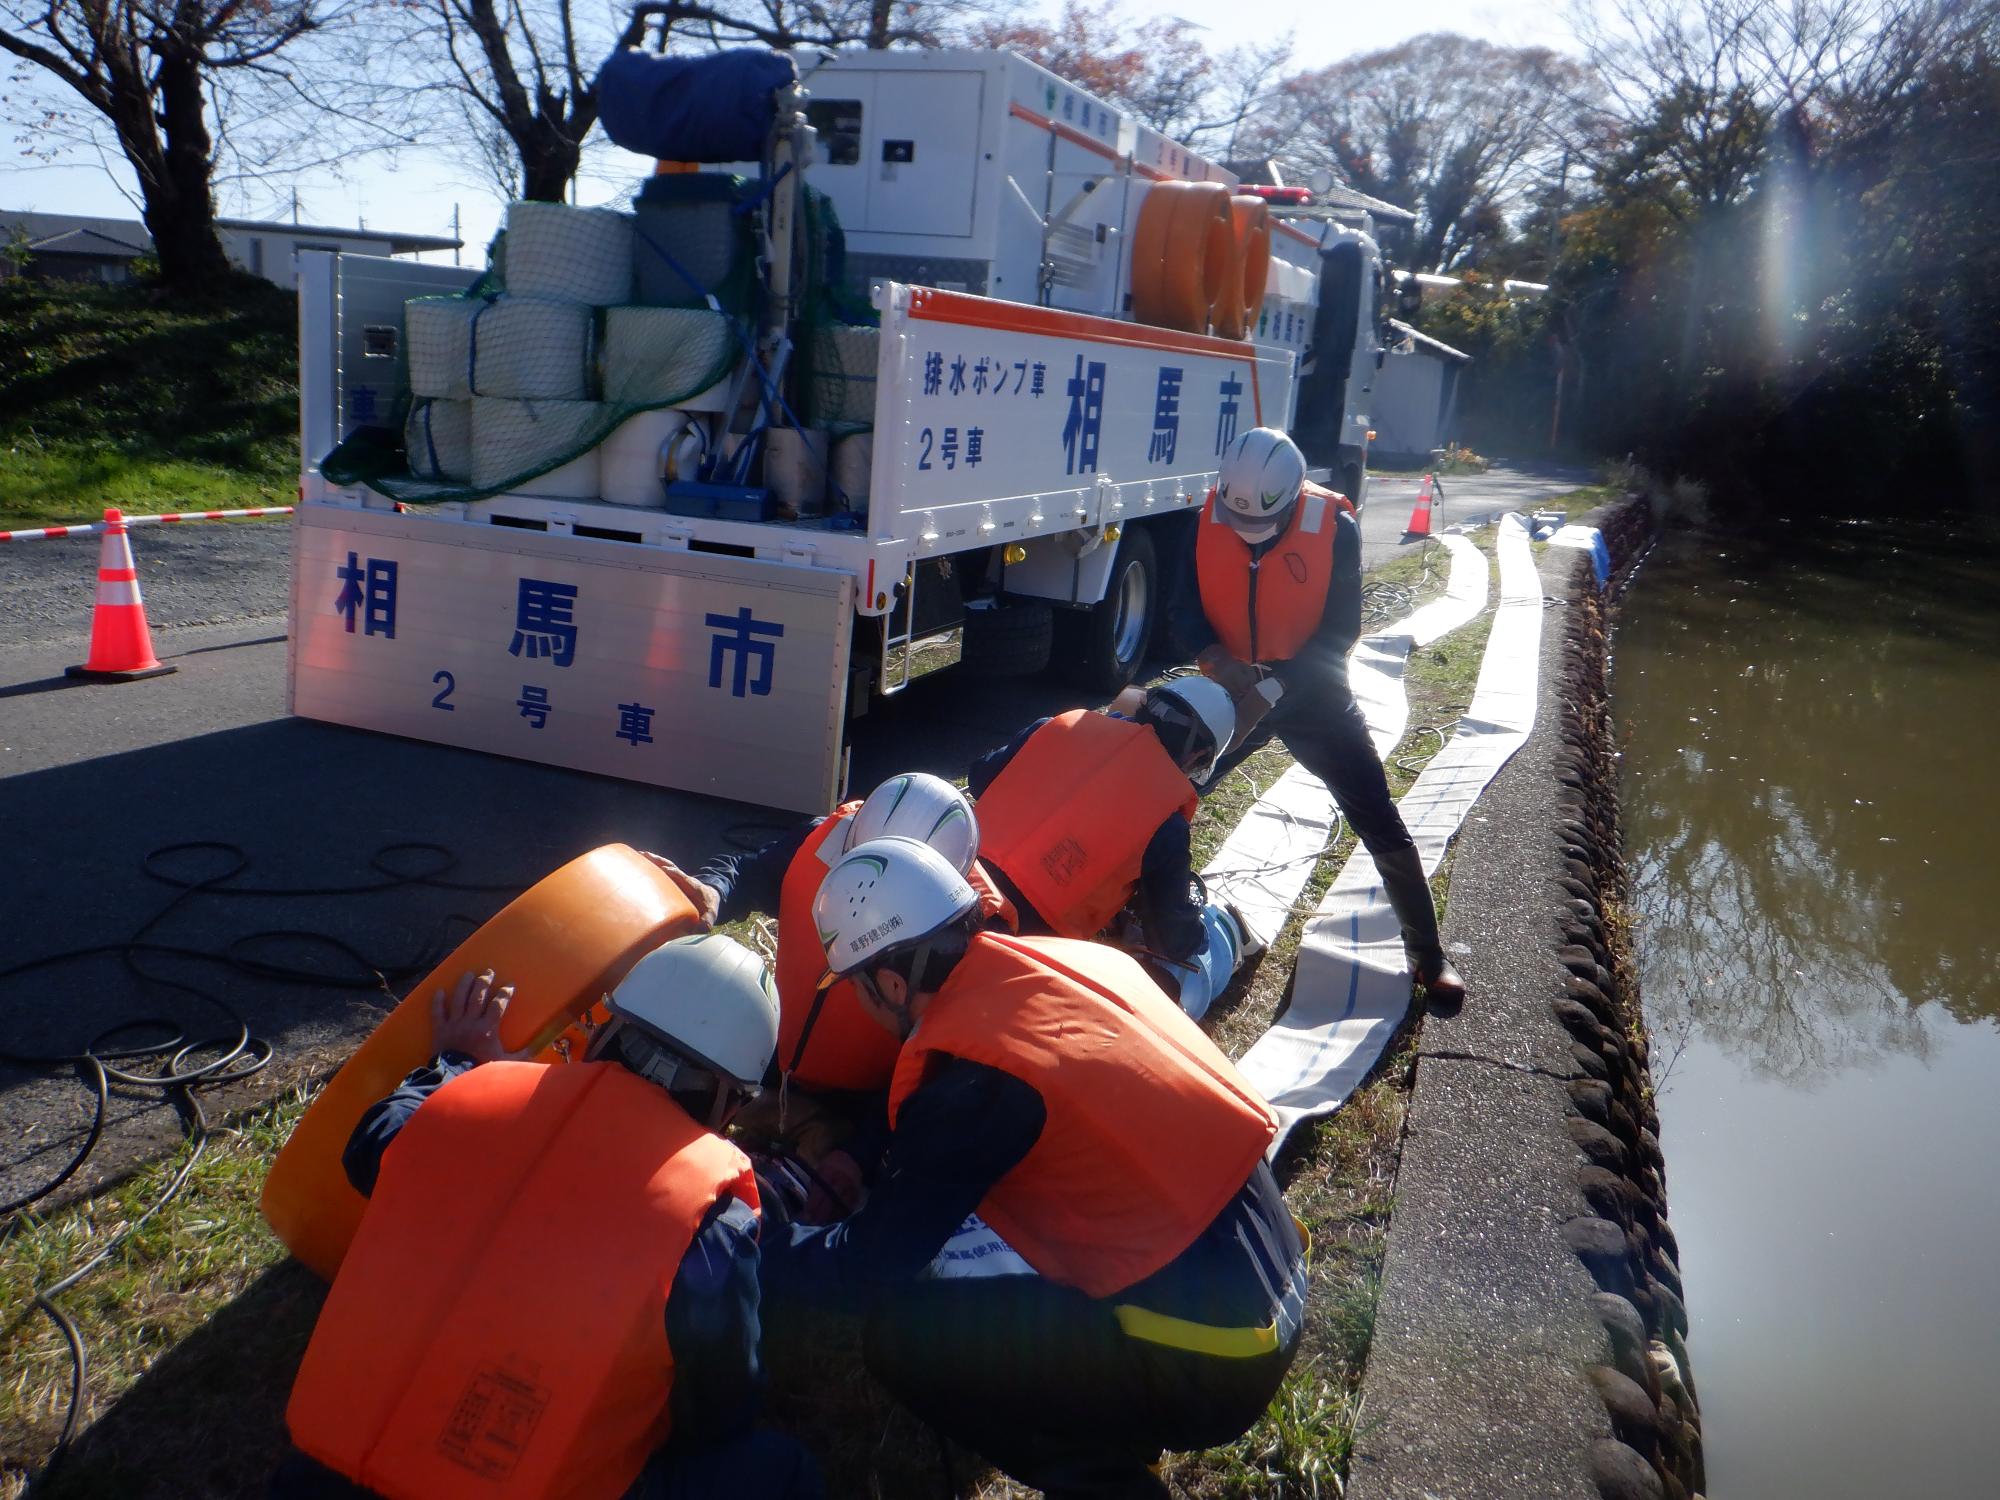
[[736, 326], [756, 199], [430, 443], [472, 346]]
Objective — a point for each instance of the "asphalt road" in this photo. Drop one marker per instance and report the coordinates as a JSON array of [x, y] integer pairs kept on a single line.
[[191, 574], [1391, 498], [94, 779]]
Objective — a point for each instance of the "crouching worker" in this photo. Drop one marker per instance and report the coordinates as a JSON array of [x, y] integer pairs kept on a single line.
[[497, 1328], [827, 1045], [1087, 815], [1048, 1085]]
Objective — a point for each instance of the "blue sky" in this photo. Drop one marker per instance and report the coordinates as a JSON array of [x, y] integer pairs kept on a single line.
[[416, 193]]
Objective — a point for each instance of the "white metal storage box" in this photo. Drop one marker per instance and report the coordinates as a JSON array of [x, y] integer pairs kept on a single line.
[[944, 167]]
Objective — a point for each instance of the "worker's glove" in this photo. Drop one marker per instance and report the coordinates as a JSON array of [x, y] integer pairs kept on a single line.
[[1257, 700], [837, 1189], [781, 1189], [706, 901], [1236, 677]]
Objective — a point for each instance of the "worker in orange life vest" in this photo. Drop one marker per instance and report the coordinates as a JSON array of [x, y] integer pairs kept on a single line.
[[1151, 1281], [1278, 596], [1085, 815], [827, 1045], [453, 1358]]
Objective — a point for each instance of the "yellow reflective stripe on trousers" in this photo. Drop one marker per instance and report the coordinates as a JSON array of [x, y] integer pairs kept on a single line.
[[1195, 1338]]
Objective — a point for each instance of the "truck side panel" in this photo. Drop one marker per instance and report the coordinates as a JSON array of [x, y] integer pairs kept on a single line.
[[997, 422], [710, 674], [351, 370]]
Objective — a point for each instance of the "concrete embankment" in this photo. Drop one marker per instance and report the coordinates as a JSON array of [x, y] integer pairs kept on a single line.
[[1529, 1337]]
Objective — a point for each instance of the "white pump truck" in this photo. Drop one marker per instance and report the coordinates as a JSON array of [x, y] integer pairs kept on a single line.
[[1033, 466]]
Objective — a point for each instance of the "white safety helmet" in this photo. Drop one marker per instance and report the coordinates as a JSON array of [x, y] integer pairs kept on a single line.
[[920, 806], [884, 896], [1204, 715], [1259, 483], [705, 1000]]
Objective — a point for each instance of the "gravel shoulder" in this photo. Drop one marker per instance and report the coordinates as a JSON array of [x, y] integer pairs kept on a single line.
[[202, 573]]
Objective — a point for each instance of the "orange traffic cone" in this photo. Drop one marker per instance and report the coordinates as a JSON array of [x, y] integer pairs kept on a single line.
[[121, 647], [1420, 518]]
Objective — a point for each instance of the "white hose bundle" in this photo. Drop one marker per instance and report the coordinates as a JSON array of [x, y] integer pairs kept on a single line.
[[437, 331], [532, 349], [853, 468], [517, 437], [438, 439], [578, 254], [656, 355], [634, 460]]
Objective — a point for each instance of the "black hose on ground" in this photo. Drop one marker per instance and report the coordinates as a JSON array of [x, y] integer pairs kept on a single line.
[[180, 1068]]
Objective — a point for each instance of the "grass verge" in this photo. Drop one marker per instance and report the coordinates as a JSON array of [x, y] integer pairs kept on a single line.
[[113, 396], [196, 1325]]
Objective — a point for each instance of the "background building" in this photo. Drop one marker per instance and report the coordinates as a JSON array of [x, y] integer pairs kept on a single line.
[[78, 247]]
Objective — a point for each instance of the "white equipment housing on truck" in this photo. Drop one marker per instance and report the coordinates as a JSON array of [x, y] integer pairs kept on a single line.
[[1033, 449]]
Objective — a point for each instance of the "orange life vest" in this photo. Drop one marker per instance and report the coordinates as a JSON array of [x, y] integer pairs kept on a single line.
[[1265, 608], [1151, 1131], [1068, 818], [843, 1048], [498, 1327]]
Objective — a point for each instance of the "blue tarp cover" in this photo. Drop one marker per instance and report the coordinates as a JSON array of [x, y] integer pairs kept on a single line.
[[715, 108]]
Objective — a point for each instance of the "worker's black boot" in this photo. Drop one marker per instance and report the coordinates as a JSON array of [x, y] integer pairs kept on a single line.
[[1409, 893]]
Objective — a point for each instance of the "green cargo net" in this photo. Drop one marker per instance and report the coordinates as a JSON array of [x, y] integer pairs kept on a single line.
[[585, 319], [837, 333]]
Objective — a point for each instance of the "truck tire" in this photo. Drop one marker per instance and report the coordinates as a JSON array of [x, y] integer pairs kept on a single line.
[[1009, 638], [1101, 648], [1351, 482]]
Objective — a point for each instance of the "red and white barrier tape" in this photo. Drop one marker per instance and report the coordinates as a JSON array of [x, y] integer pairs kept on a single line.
[[98, 528]]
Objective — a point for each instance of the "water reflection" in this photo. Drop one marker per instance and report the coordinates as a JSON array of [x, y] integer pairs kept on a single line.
[[1811, 809]]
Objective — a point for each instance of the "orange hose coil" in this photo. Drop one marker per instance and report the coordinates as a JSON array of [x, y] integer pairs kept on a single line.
[[561, 943], [1225, 316], [1182, 252], [1252, 221]]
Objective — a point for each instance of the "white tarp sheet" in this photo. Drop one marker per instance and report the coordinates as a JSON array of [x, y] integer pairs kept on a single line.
[[1352, 987], [1272, 851]]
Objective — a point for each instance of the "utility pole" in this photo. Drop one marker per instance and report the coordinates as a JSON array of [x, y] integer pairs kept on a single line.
[[456, 234], [1555, 216], [295, 203]]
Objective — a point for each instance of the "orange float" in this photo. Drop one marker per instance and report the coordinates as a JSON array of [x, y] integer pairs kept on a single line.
[[561, 943], [1250, 220], [1182, 251]]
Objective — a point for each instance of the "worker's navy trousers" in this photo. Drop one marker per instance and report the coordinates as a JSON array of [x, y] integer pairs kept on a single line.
[[1327, 734]]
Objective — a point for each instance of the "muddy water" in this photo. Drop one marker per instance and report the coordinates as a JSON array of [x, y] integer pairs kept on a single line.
[[1812, 816]]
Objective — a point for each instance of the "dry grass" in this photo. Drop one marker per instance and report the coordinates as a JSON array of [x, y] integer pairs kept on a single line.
[[193, 1327], [196, 1326]]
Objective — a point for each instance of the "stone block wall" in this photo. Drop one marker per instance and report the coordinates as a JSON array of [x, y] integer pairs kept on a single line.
[[1529, 1338]]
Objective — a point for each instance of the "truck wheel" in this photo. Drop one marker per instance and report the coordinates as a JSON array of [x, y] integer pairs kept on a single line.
[[1011, 638], [1352, 481], [1101, 648]]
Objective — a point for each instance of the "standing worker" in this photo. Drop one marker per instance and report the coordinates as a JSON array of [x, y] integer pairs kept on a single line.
[[1278, 569], [1050, 1086], [1086, 814], [497, 1328]]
